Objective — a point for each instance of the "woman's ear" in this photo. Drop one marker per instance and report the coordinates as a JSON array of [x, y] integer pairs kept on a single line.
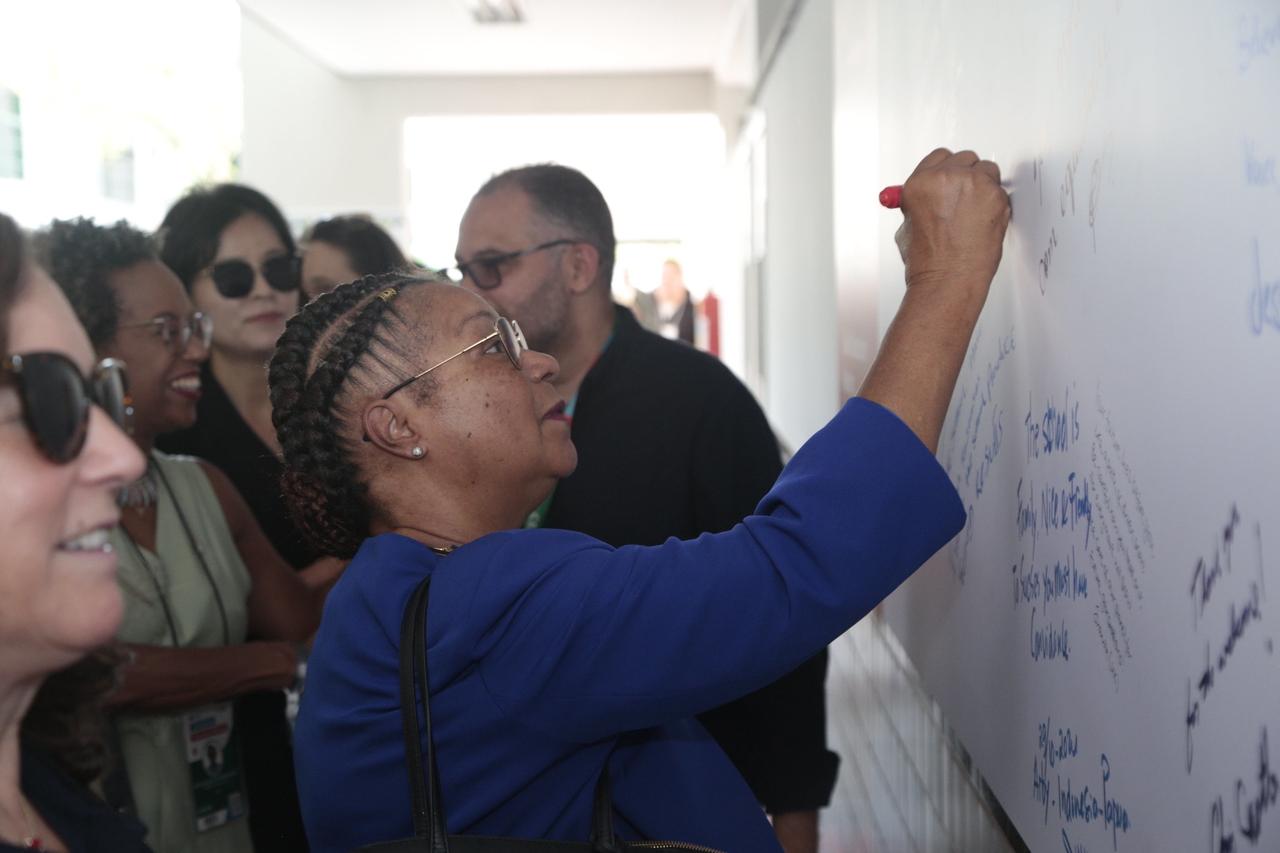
[[388, 426]]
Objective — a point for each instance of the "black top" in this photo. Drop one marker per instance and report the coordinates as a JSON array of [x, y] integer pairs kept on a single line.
[[222, 437], [83, 822], [670, 443]]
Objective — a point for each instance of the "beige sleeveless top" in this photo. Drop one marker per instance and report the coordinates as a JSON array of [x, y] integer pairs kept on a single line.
[[154, 745]]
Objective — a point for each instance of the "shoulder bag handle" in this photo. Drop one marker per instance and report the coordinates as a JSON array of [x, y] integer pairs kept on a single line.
[[428, 813]]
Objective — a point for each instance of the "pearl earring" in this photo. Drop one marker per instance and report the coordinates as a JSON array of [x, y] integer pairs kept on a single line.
[[417, 452]]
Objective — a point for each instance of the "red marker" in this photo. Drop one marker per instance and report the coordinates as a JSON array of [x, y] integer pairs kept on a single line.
[[891, 197]]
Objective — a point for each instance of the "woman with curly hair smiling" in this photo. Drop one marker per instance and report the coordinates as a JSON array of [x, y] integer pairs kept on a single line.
[[198, 574]]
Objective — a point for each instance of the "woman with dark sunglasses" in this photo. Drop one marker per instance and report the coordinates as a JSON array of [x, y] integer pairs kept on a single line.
[[62, 460], [418, 434], [232, 249], [197, 572]]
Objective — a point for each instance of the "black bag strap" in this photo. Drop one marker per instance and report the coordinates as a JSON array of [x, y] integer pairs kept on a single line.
[[602, 839], [428, 812], [413, 635]]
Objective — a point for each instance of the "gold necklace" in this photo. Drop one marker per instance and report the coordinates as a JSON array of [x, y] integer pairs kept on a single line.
[[443, 550]]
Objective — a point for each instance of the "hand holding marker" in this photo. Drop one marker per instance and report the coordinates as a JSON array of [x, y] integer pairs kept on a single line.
[[891, 197], [943, 171]]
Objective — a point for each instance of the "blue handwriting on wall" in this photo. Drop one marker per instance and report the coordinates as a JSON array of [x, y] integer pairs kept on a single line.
[[1049, 583], [1050, 641], [1252, 800], [1065, 191], [1054, 508], [1259, 170], [1052, 427], [1259, 38], [1084, 806], [1122, 547], [975, 435], [1264, 297], [1212, 580]]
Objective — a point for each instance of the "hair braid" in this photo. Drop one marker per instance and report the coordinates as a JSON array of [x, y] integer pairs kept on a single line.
[[321, 484]]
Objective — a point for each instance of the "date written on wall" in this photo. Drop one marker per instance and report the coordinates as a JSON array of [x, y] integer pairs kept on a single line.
[[1064, 788]]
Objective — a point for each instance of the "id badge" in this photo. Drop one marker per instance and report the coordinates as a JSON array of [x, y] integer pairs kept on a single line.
[[213, 759]]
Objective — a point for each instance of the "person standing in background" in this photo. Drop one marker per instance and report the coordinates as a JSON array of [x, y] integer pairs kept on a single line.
[[344, 248], [640, 303], [675, 305], [669, 442], [233, 251]]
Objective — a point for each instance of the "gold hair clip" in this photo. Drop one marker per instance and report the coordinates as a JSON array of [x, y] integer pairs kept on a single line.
[[388, 294]]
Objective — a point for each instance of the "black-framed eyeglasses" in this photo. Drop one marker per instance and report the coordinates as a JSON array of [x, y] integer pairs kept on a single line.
[[56, 399], [234, 277], [177, 334], [506, 334], [486, 271]]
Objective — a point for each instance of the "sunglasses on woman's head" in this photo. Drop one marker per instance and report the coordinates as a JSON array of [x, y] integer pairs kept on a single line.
[[234, 278], [56, 399]]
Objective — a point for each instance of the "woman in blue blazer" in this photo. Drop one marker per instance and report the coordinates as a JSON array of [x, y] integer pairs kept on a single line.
[[419, 431]]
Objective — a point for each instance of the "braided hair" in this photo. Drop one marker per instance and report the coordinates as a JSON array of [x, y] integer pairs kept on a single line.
[[336, 343]]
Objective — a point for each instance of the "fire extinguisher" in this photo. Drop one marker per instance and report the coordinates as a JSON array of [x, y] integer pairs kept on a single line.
[[709, 323]]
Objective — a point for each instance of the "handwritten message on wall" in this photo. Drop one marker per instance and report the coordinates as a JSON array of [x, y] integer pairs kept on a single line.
[[1100, 633]]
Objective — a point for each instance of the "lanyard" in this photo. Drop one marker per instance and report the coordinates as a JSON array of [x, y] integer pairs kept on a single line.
[[195, 546], [539, 515]]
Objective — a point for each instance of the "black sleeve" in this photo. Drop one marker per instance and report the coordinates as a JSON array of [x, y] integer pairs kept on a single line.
[[777, 736]]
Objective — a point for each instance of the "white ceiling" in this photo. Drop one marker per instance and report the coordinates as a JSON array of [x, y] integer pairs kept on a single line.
[[409, 37]]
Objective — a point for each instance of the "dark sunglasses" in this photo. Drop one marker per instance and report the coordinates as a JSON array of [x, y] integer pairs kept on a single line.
[[56, 399], [486, 272], [177, 334], [234, 277]]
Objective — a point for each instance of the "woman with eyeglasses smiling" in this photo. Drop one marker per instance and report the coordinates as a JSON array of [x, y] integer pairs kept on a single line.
[[234, 252], [62, 460], [197, 572], [419, 433]]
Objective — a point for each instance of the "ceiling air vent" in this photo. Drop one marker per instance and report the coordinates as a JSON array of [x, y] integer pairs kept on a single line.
[[494, 11]]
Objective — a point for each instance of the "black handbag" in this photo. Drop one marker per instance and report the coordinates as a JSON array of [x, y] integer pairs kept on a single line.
[[429, 835]]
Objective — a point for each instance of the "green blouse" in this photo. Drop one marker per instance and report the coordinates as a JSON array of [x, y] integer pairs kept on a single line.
[[168, 592]]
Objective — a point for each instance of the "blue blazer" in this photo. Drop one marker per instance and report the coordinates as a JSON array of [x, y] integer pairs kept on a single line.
[[552, 653]]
